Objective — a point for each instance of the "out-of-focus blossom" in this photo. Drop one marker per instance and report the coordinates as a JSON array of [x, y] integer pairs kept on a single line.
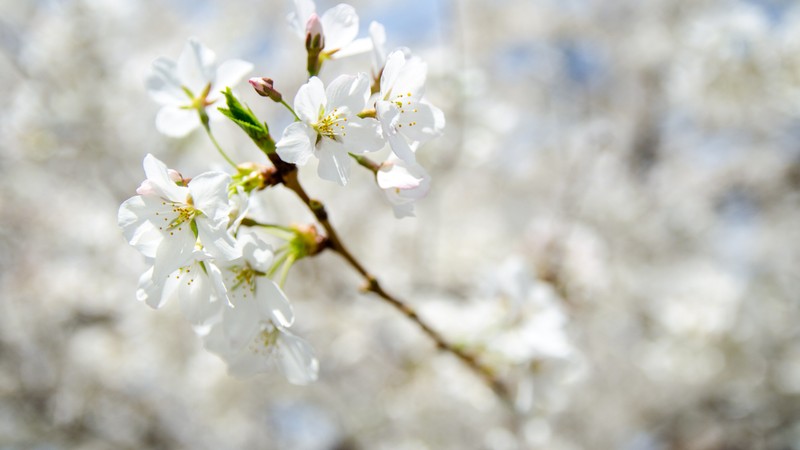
[[198, 286], [189, 86], [338, 27], [403, 183], [329, 127], [267, 344]]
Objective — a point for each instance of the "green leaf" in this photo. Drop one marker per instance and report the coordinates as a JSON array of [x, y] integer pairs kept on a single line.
[[244, 117]]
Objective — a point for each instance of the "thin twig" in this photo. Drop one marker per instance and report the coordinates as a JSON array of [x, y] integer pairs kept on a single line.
[[335, 244]]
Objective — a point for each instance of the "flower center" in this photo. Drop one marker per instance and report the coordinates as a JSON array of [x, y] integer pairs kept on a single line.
[[244, 275], [404, 103], [177, 216], [331, 125], [265, 342]]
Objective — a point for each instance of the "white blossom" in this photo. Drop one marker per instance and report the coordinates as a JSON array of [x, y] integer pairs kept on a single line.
[[403, 183], [339, 28], [271, 344], [168, 221], [198, 287], [329, 127], [191, 84], [407, 119]]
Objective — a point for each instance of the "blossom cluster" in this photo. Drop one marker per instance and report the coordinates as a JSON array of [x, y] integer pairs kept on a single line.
[[190, 230], [183, 228]]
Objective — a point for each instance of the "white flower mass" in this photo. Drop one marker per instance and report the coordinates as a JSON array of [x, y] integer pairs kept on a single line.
[[607, 218]]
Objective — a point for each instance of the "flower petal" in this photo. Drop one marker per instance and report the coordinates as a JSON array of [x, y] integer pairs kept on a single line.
[[272, 303], [209, 192], [310, 100], [216, 240], [389, 116], [229, 74], [241, 323], [348, 91], [334, 162], [134, 219], [163, 84], [421, 121], [196, 66], [176, 122], [340, 25], [160, 181], [303, 9], [296, 359], [356, 47], [363, 135], [296, 144]]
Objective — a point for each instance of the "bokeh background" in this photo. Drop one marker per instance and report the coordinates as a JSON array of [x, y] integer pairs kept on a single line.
[[614, 224]]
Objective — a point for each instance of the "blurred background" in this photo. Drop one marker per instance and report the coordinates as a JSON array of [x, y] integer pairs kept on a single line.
[[613, 224]]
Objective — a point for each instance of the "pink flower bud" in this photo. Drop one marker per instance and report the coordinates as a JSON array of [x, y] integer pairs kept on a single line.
[[265, 88], [315, 40]]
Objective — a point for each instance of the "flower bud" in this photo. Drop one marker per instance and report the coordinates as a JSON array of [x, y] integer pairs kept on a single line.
[[265, 88], [315, 40]]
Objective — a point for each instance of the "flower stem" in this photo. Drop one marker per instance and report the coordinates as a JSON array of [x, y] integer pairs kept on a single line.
[[204, 121], [291, 110], [291, 181]]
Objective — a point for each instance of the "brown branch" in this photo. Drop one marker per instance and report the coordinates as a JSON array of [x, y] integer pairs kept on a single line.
[[334, 243]]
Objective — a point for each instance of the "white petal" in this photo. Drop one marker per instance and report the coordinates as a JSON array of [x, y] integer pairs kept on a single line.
[[229, 74], [209, 192], [241, 323], [161, 181], [150, 291], [348, 91], [309, 100], [389, 116], [340, 24], [421, 121], [363, 135], [194, 292], [176, 122], [296, 358], [397, 176], [255, 250], [356, 47], [299, 18], [411, 78], [296, 144], [391, 70], [163, 84], [174, 252], [334, 162], [216, 240], [196, 66], [377, 34], [134, 219], [272, 303]]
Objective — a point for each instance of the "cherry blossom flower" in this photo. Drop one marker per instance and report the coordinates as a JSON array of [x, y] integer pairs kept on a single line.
[[271, 344], [403, 183], [339, 28], [168, 221], [252, 296], [407, 119], [189, 85], [329, 127], [198, 287]]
